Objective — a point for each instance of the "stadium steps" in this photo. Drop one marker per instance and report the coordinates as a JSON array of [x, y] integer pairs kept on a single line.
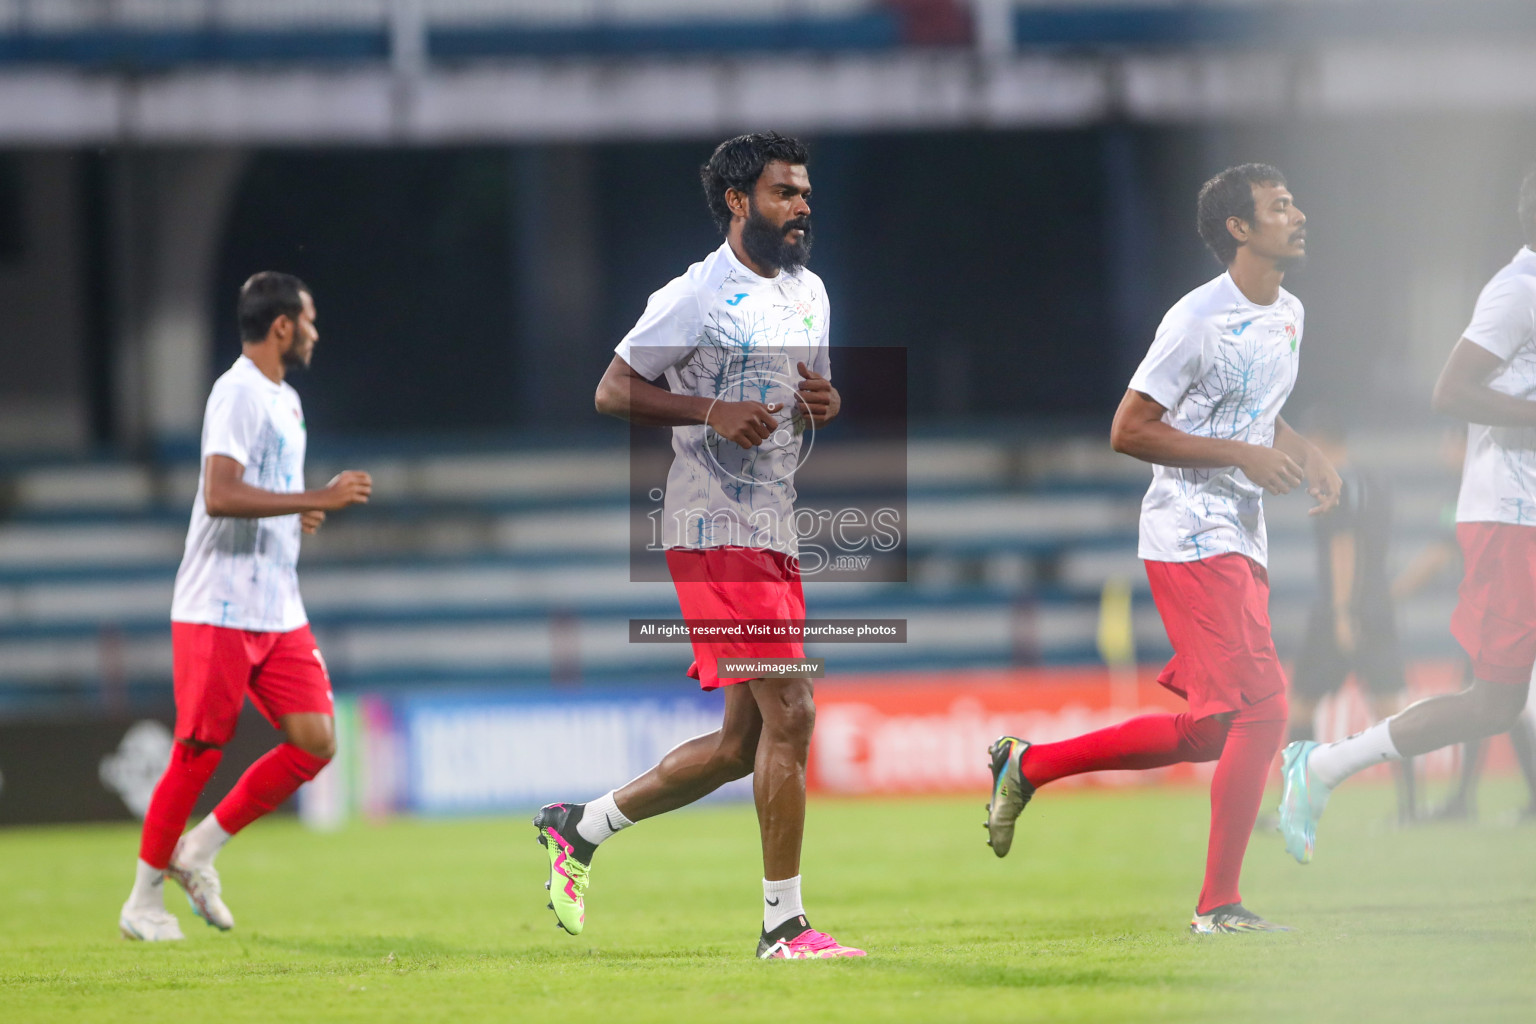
[[512, 566]]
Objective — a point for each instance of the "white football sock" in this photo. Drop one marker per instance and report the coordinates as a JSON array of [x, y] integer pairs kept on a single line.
[[600, 819], [1332, 763], [148, 887], [203, 843], [781, 901]]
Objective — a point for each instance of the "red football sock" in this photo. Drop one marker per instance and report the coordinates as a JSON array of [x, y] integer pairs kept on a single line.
[[175, 794], [266, 784], [1149, 741], [1236, 792]]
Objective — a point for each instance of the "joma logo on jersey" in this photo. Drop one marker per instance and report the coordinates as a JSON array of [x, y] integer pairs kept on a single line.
[[737, 300]]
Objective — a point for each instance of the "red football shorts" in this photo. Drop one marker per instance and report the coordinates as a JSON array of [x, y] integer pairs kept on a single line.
[[1216, 612], [1495, 617], [216, 668], [732, 584]]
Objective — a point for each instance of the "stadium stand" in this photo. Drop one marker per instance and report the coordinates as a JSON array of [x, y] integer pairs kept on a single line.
[[445, 580], [513, 566], [435, 71], [151, 35]]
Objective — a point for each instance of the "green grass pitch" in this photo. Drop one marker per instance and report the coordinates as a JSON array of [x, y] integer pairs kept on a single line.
[[1085, 921]]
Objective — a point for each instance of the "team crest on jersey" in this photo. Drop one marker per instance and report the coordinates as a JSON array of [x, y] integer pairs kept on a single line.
[[1290, 334]]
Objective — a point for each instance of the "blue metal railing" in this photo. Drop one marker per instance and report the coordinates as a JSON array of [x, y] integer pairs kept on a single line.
[[1271, 23], [116, 42], [148, 50], [874, 30], [111, 40]]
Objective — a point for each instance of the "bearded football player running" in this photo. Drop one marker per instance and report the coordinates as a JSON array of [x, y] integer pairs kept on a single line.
[[742, 341], [238, 627], [1204, 409]]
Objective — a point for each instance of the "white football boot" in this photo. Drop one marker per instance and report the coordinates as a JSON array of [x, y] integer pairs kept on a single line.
[[201, 883], [149, 924]]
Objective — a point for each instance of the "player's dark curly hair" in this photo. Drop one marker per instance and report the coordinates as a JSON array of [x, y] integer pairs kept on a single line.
[[1527, 206], [265, 297], [1230, 194], [738, 163]]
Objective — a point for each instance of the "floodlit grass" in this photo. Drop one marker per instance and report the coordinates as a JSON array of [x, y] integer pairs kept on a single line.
[[1085, 921]]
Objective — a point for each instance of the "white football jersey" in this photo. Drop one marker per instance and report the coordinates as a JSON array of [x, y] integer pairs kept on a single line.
[[1222, 366], [721, 331], [1498, 481], [243, 573]]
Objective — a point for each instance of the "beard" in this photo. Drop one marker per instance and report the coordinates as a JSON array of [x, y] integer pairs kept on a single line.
[[768, 244], [293, 360]]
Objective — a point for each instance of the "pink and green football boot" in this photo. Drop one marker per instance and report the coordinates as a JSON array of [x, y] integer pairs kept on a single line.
[[795, 939], [570, 860]]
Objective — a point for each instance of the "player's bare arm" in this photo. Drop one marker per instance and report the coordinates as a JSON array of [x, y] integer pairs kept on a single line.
[[226, 494], [627, 395], [1139, 431], [1462, 390], [818, 399], [1323, 482]]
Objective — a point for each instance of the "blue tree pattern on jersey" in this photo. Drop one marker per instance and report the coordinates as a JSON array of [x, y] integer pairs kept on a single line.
[[1229, 401], [265, 552], [747, 353]]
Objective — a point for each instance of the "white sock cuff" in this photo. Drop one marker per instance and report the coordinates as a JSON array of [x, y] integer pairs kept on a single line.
[[601, 818], [613, 805], [203, 842], [1332, 763], [148, 886], [1389, 751], [781, 901]]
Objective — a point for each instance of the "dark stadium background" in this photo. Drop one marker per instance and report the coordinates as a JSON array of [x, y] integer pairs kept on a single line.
[[1003, 191]]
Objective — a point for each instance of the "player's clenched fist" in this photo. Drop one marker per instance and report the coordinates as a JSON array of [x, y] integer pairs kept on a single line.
[[1324, 484], [311, 521], [819, 400], [349, 487], [1271, 469], [748, 424]]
